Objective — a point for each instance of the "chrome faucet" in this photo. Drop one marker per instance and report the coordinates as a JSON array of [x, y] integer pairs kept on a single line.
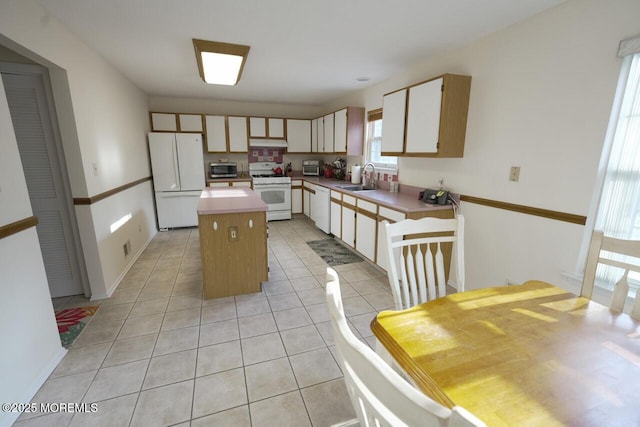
[[373, 183]]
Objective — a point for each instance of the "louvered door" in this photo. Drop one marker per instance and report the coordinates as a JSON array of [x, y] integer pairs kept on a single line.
[[38, 152]]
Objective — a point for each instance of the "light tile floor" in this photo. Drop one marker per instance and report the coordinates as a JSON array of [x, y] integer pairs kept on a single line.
[[156, 354]]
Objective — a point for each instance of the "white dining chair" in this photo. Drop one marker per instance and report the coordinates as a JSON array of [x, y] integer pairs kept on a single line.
[[415, 263], [380, 397], [603, 250]]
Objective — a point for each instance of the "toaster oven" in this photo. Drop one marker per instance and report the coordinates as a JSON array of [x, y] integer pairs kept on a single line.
[[311, 167]]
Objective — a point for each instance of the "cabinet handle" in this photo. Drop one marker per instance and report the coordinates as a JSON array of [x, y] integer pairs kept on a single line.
[[250, 223], [215, 225]]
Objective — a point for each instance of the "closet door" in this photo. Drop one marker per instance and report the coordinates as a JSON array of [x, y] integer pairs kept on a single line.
[[48, 192]]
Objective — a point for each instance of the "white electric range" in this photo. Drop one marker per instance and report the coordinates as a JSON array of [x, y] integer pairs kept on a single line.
[[274, 189]]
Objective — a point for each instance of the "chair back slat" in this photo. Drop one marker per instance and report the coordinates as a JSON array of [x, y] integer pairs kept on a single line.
[[620, 291], [379, 396], [415, 258], [411, 277], [442, 281], [609, 251]]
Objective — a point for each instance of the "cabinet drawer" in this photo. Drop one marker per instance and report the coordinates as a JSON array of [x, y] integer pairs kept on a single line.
[[310, 186], [336, 195], [367, 206], [349, 199], [391, 214], [296, 183]]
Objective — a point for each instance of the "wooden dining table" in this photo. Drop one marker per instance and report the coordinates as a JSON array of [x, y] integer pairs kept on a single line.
[[525, 355]]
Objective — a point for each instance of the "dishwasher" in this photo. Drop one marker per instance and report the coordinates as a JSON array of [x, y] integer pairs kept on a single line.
[[321, 207]]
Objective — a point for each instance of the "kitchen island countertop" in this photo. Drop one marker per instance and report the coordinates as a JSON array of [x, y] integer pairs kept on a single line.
[[221, 200]]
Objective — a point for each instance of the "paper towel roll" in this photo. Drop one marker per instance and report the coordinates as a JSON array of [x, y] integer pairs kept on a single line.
[[355, 174]]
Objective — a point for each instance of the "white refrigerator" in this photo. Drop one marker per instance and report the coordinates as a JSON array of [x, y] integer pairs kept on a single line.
[[177, 163]]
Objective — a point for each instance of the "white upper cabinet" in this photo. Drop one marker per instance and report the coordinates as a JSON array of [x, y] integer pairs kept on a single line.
[[328, 133], [216, 131], [257, 127], [394, 107], [238, 134], [423, 117], [428, 119], [298, 136], [190, 122], [164, 122], [276, 128], [263, 127], [314, 134], [340, 131]]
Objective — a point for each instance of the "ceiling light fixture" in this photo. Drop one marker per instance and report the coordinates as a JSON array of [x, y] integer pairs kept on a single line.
[[220, 63]]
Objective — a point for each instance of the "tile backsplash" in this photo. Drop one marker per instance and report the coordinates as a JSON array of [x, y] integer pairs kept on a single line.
[[257, 154]]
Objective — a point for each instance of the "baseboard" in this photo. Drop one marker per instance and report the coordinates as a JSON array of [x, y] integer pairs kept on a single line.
[[35, 385], [116, 283]]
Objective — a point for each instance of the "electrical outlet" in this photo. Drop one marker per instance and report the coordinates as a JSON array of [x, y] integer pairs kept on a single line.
[[233, 234], [514, 175]]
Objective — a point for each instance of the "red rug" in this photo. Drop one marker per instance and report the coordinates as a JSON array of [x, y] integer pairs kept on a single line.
[[71, 321]]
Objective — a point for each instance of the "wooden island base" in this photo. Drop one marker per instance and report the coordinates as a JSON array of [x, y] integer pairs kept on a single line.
[[233, 247]]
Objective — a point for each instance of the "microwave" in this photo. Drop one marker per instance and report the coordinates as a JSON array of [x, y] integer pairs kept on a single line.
[[223, 170], [311, 167]]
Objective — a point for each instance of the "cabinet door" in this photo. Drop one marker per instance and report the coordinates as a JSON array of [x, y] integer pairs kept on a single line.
[[190, 122], [348, 226], [296, 200], [314, 135], [298, 136], [257, 127], [306, 202], [328, 133], [321, 135], [276, 128], [391, 216], [164, 122], [241, 183], [336, 219], [238, 135], [216, 131], [366, 235], [423, 117], [340, 131], [394, 107]]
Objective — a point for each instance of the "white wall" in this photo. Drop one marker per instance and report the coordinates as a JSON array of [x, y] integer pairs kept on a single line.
[[541, 95], [103, 122], [31, 345]]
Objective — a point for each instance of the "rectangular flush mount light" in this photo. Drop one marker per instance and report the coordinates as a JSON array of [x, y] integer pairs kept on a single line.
[[220, 63]]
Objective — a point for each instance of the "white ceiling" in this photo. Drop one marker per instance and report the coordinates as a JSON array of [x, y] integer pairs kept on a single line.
[[302, 52]]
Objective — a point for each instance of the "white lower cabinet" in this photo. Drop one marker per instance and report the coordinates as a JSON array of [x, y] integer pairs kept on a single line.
[[336, 214], [296, 196], [348, 226], [366, 229], [391, 216]]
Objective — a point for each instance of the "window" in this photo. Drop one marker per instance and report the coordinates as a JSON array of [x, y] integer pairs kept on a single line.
[[618, 213], [374, 142]]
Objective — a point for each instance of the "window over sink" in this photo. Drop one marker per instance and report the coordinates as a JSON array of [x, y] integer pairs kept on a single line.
[[374, 142]]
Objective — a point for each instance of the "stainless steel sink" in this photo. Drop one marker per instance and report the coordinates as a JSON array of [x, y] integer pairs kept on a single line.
[[355, 188]]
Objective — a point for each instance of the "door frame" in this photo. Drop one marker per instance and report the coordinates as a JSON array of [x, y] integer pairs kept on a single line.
[[43, 72]]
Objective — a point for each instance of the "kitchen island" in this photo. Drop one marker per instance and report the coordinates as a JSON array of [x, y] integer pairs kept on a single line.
[[232, 223]]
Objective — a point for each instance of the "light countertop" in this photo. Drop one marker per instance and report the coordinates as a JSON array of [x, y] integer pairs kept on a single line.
[[406, 200], [222, 200]]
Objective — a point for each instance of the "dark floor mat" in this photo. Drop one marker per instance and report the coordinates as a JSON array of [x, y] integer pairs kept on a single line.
[[333, 252]]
